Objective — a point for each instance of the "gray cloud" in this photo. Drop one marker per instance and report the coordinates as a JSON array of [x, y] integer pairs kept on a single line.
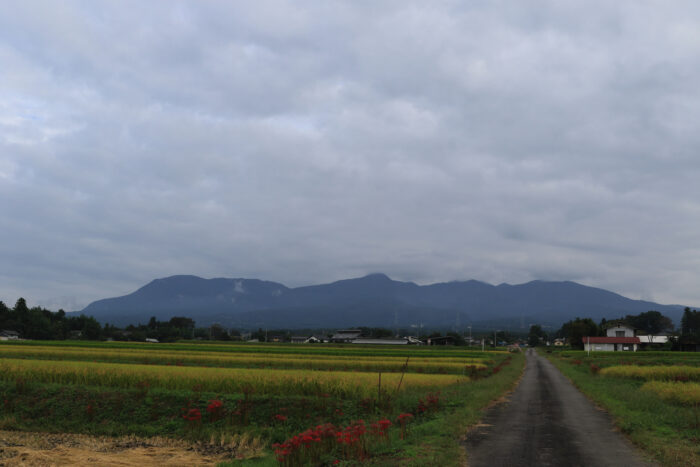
[[311, 141]]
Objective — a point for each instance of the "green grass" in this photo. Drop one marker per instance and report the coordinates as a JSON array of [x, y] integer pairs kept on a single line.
[[668, 432], [437, 441]]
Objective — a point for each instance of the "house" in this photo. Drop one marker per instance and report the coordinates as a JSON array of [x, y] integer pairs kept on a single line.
[[620, 330], [558, 342], [444, 340], [308, 339], [316, 339], [8, 335], [346, 335], [381, 341], [610, 344], [151, 340], [618, 338]]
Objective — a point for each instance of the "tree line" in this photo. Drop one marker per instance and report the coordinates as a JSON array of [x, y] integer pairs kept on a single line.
[[650, 323], [40, 323]]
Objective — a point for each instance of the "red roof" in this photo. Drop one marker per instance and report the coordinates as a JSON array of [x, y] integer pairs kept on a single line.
[[611, 340]]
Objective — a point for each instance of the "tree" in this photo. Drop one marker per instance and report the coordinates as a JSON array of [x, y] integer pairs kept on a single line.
[[690, 323], [536, 335], [21, 306], [575, 330], [91, 328]]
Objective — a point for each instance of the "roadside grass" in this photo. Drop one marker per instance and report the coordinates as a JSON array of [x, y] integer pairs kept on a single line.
[[668, 432], [438, 440]]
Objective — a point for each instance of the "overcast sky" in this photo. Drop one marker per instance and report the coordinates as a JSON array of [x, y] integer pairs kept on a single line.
[[305, 142]]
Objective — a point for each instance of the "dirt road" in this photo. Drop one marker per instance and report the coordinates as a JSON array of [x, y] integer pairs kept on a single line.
[[548, 422]]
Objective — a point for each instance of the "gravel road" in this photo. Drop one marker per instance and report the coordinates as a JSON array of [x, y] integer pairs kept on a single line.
[[547, 421]]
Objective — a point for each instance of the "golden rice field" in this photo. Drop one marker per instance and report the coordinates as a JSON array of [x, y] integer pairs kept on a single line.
[[452, 365], [675, 392], [654, 372], [222, 380]]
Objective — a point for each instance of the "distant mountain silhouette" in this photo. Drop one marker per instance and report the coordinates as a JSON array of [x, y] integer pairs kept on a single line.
[[373, 300]]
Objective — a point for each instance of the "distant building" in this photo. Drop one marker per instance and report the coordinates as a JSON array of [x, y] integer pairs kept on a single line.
[[444, 340], [610, 344], [8, 335], [151, 340], [308, 339], [346, 335], [621, 337], [381, 341]]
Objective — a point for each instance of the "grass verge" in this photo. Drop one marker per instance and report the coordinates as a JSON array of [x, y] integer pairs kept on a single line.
[[437, 441]]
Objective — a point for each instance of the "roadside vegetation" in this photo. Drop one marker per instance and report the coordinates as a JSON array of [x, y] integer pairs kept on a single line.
[[651, 396], [259, 404]]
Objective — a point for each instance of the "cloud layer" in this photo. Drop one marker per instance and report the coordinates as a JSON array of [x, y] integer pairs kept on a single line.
[[305, 142]]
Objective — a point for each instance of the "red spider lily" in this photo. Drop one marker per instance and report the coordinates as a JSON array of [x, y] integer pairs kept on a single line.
[[403, 420], [280, 417], [193, 415], [214, 405], [215, 409]]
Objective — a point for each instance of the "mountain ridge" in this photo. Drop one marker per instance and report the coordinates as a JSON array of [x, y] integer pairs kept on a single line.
[[371, 300]]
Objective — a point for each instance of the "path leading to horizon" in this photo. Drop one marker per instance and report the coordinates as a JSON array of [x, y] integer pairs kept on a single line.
[[548, 422]]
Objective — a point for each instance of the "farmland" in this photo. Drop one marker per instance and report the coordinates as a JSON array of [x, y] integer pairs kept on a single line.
[[653, 396], [356, 402]]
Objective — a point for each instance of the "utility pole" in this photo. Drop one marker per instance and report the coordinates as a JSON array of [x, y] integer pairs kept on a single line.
[[470, 336]]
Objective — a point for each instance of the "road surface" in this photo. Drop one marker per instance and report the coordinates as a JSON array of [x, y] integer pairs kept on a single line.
[[548, 422]]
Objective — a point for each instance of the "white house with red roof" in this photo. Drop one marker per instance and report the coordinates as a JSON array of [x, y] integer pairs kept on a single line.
[[618, 338]]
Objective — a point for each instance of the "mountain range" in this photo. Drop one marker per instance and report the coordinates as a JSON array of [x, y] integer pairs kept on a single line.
[[374, 300]]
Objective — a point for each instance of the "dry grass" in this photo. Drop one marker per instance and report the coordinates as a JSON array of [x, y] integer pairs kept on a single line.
[[678, 393], [45, 449]]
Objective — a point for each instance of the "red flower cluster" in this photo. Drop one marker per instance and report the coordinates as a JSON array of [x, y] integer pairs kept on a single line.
[[280, 417], [214, 405], [308, 444], [352, 440], [193, 415], [381, 428], [431, 402], [505, 362], [215, 409], [403, 420]]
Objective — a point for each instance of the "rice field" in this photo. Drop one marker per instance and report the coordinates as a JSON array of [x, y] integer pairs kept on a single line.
[[267, 391], [219, 380], [687, 394], [654, 372], [444, 365]]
